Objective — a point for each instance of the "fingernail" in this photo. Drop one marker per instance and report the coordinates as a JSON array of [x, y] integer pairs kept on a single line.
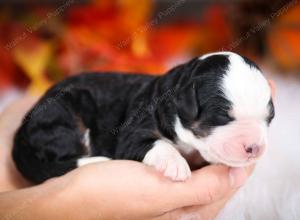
[[237, 177]]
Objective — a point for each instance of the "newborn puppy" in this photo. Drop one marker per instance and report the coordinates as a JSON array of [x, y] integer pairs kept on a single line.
[[218, 106]]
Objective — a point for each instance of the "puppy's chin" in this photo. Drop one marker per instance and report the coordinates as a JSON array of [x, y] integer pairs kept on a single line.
[[215, 158], [238, 144]]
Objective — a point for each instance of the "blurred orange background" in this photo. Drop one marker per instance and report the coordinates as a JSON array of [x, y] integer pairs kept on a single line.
[[42, 43]]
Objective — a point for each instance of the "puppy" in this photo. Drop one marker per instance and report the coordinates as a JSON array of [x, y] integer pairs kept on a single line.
[[217, 107]]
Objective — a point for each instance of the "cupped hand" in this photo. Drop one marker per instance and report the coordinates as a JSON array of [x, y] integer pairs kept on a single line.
[[131, 190], [118, 189], [10, 120]]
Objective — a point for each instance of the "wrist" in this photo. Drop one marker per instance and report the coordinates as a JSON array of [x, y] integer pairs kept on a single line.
[[71, 198], [82, 200], [50, 200]]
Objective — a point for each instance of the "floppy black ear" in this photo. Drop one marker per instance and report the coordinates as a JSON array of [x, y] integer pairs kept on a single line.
[[186, 102]]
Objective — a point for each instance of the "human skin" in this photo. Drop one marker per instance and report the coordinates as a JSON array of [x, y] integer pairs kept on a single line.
[[109, 190]]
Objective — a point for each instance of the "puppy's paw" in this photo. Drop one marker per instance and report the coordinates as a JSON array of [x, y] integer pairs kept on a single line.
[[175, 168], [166, 159]]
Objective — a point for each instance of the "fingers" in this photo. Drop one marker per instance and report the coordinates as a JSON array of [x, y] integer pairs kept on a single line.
[[273, 88], [210, 211], [10, 119], [20, 106], [207, 185]]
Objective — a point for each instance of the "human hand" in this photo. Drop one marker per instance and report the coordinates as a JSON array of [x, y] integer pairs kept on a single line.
[[119, 189], [131, 190], [10, 120]]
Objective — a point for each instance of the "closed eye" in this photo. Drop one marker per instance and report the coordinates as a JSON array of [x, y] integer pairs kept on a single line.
[[218, 118], [222, 119]]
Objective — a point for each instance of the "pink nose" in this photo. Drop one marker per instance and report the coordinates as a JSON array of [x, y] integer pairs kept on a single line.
[[252, 150]]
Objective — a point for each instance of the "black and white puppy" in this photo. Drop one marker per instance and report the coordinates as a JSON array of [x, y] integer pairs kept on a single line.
[[218, 106]]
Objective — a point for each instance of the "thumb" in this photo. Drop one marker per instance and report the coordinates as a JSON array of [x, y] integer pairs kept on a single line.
[[273, 88], [11, 117], [207, 185]]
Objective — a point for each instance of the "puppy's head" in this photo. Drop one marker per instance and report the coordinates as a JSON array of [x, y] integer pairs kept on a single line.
[[225, 109]]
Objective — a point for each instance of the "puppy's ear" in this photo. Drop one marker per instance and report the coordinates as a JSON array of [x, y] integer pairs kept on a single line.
[[186, 102]]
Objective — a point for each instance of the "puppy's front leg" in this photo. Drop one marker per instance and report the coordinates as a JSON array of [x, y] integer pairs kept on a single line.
[[165, 158]]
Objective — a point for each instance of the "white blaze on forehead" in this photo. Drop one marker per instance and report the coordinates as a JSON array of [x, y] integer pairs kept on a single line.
[[246, 88]]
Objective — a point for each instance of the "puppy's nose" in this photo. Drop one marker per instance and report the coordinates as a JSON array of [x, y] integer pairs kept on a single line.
[[252, 150]]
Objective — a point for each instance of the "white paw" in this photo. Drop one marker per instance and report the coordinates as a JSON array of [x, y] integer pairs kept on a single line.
[[88, 160], [175, 168], [166, 159]]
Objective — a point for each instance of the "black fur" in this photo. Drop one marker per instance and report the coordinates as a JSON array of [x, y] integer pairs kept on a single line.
[[125, 113]]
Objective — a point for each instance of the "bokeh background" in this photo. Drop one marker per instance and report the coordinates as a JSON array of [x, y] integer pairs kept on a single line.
[[44, 41]]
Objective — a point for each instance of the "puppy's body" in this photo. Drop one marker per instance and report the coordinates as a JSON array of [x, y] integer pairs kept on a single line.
[[146, 118], [121, 114]]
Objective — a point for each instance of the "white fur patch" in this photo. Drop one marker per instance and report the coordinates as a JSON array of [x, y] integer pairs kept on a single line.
[[247, 89], [89, 160], [87, 142], [187, 141], [166, 159]]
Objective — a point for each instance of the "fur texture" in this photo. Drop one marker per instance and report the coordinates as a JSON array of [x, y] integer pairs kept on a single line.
[[218, 106]]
